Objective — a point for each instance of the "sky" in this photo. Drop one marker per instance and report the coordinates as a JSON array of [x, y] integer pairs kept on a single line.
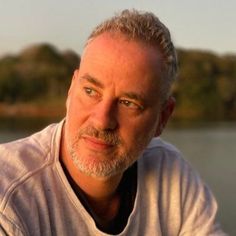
[[194, 24]]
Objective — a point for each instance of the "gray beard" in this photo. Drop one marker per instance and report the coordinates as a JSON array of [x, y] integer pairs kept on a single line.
[[117, 163], [105, 168]]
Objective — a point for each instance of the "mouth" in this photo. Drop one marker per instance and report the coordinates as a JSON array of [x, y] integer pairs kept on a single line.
[[97, 144]]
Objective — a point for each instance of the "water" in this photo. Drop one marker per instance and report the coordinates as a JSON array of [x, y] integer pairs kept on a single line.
[[210, 148]]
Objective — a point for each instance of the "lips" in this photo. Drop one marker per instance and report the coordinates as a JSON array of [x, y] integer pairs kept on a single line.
[[97, 144]]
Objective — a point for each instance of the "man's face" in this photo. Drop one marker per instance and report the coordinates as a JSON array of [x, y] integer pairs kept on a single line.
[[113, 105]]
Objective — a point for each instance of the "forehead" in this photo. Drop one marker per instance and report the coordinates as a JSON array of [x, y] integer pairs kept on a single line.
[[115, 44], [114, 57]]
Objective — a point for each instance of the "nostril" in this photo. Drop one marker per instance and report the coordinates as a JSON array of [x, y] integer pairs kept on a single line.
[[105, 123]]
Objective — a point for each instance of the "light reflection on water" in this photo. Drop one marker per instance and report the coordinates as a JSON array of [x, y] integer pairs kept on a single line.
[[209, 147]]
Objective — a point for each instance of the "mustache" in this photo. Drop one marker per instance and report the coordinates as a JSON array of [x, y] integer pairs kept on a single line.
[[107, 136]]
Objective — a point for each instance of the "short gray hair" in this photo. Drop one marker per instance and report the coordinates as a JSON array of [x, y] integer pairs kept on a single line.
[[147, 28]]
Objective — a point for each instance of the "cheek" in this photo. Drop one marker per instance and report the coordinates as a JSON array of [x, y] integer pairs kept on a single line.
[[139, 129], [77, 112]]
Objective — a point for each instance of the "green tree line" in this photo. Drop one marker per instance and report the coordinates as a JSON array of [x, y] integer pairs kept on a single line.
[[39, 72], [205, 87]]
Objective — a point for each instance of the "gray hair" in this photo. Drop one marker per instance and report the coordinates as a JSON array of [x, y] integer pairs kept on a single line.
[[147, 28]]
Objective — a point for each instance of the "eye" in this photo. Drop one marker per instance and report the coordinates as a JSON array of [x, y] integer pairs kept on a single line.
[[90, 92], [131, 104]]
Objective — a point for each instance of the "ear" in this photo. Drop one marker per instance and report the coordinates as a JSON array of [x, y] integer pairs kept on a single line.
[[76, 72], [166, 111]]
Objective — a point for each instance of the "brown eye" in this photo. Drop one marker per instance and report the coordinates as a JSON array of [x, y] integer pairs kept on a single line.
[[130, 104], [90, 92]]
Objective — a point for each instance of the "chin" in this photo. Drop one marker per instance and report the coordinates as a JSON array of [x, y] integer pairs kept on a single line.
[[98, 167]]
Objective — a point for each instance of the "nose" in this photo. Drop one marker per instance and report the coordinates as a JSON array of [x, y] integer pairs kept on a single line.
[[104, 116]]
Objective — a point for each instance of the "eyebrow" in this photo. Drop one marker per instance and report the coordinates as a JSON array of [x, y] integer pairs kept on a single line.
[[135, 96], [92, 80]]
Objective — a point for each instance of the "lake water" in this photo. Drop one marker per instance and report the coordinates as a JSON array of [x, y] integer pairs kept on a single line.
[[210, 148]]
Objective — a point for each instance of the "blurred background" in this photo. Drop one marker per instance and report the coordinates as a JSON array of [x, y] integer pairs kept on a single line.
[[41, 45]]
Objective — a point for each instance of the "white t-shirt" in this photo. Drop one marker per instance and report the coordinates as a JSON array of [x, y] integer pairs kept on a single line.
[[37, 199]]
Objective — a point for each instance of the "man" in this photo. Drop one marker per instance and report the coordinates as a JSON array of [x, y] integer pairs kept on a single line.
[[100, 171]]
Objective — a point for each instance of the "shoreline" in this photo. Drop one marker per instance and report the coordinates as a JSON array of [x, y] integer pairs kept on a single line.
[[31, 110]]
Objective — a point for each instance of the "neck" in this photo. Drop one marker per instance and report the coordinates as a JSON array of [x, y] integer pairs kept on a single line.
[[101, 195], [97, 189]]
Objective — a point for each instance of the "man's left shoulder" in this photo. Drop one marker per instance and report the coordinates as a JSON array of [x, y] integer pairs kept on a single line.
[[158, 147], [164, 156]]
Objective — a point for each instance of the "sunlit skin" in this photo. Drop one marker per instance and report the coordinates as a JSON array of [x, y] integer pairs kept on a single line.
[[113, 110]]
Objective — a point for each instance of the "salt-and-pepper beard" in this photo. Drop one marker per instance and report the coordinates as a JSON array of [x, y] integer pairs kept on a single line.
[[117, 163]]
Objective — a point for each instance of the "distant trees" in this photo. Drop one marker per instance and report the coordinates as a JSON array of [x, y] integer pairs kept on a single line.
[[38, 72], [205, 88]]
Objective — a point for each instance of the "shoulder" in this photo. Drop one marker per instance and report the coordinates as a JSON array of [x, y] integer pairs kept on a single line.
[[164, 161], [161, 145], [27, 149], [159, 151], [181, 193], [22, 158]]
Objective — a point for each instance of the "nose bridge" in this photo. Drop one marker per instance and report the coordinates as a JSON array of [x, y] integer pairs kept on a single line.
[[105, 115]]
